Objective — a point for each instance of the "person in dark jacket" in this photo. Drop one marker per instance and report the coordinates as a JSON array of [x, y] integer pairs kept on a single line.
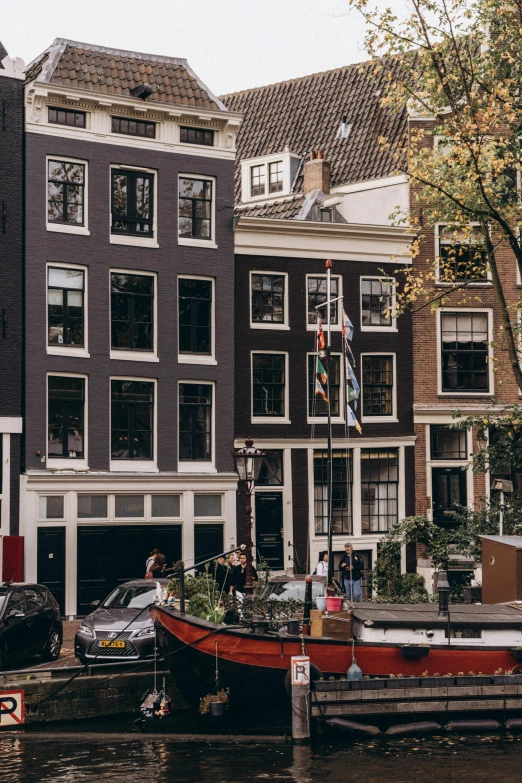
[[240, 575], [351, 566]]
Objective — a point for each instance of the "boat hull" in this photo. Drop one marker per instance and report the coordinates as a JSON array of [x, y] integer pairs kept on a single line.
[[254, 666]]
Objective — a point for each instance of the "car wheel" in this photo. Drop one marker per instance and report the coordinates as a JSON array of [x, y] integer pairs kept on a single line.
[[53, 646]]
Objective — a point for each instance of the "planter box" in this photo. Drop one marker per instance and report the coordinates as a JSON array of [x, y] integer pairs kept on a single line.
[[473, 680], [367, 685], [436, 682], [402, 682], [506, 679]]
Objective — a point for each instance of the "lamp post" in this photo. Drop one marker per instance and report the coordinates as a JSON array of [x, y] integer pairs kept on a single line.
[[248, 466]]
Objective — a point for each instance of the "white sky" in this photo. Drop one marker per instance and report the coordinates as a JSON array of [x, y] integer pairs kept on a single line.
[[231, 44]]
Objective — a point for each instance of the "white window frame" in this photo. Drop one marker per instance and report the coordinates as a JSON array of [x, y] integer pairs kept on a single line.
[[135, 356], [148, 501], [333, 327], [473, 395], [54, 520], [63, 107], [393, 418], [66, 350], [135, 465], [195, 242], [134, 241], [478, 284], [204, 518], [197, 466], [63, 228], [448, 463], [381, 327], [270, 419], [88, 520], [71, 463], [195, 358], [123, 116], [342, 393], [268, 325]]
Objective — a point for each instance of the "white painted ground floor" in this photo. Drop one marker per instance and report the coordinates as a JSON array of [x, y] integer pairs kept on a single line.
[[86, 533]]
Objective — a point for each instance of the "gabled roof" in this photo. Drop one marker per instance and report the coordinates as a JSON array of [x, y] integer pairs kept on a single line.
[[306, 114], [99, 69]]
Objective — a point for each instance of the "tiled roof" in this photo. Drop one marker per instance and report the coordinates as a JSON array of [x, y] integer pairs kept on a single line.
[[280, 208], [306, 114], [99, 69]]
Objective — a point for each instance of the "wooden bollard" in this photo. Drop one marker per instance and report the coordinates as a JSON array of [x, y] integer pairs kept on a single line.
[[300, 667]]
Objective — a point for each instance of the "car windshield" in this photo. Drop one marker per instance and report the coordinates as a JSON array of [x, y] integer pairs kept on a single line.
[[3, 594], [130, 597], [282, 591]]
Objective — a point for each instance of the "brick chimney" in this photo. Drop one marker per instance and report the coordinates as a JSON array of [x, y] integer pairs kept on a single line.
[[317, 173]]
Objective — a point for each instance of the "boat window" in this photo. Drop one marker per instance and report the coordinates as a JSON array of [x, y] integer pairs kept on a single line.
[[283, 591], [464, 633], [130, 597]]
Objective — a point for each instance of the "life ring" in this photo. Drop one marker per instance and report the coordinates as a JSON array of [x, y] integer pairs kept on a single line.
[[315, 674]]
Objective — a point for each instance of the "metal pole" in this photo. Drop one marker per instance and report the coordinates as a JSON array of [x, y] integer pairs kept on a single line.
[[249, 584], [329, 477], [307, 606], [501, 513]]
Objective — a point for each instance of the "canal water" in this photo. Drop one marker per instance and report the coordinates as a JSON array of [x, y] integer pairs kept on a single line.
[[86, 758]]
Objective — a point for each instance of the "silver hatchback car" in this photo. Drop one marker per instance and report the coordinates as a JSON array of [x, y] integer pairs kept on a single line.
[[120, 627]]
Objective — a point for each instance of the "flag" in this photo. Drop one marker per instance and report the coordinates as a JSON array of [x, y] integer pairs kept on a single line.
[[352, 421], [347, 328], [321, 380], [321, 344], [351, 380]]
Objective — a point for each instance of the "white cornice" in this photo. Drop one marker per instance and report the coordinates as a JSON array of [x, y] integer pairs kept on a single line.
[[307, 239], [133, 105], [321, 443], [13, 68], [40, 480]]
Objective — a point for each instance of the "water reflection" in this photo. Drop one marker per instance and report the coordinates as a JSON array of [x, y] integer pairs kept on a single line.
[[90, 758]]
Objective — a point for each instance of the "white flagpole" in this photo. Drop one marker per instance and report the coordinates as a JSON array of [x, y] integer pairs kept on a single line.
[[329, 473]]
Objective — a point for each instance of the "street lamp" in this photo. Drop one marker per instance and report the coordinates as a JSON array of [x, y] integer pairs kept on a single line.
[[248, 466]]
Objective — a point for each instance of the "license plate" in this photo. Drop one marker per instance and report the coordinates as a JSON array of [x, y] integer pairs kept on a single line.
[[107, 643]]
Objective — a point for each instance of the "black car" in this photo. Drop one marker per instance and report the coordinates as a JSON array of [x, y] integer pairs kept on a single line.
[[30, 623]]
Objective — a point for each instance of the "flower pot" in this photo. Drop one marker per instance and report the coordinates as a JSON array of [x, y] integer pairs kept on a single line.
[[217, 709], [333, 604], [320, 602]]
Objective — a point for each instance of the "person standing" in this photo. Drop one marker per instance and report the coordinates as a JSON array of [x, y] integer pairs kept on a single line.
[[351, 566], [155, 565], [322, 565], [223, 575], [240, 577]]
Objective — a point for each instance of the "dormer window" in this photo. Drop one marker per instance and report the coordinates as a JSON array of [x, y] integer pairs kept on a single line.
[[196, 136], [257, 181], [269, 176], [134, 127]]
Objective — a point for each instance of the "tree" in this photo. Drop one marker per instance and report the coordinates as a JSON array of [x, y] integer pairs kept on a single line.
[[462, 70]]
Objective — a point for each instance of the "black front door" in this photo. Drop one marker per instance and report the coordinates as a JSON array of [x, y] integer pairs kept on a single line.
[[51, 562], [208, 542], [269, 529], [110, 555], [449, 491]]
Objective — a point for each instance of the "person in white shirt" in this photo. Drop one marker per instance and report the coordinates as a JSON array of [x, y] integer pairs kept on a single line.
[[322, 565]]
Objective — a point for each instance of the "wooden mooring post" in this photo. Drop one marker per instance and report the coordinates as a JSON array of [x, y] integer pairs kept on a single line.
[[300, 668]]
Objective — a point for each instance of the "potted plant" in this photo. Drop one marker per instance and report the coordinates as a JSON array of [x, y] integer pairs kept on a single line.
[[215, 703]]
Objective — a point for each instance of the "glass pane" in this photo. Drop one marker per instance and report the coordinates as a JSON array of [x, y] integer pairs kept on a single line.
[[66, 172], [65, 278], [165, 506], [92, 506], [126, 506], [132, 284], [51, 507], [207, 505], [119, 194], [63, 387]]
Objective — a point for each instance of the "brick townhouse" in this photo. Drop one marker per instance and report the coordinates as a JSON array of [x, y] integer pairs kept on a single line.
[[129, 372], [11, 308], [460, 362], [313, 183]]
